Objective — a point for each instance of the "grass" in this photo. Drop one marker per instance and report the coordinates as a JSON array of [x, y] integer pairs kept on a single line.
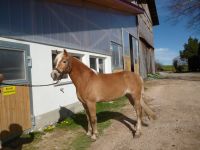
[[152, 76], [77, 122], [82, 141], [168, 68]]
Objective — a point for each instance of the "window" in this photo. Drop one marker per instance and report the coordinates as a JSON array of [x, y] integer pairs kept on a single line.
[[97, 64], [93, 63], [127, 51], [12, 64], [101, 65], [117, 58]]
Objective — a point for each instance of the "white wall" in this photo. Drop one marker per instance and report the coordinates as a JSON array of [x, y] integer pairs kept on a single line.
[[49, 98]]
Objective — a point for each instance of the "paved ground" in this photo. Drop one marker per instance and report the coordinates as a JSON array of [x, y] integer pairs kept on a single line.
[[177, 105]]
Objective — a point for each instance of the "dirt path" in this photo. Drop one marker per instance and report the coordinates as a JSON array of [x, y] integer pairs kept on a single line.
[[177, 105]]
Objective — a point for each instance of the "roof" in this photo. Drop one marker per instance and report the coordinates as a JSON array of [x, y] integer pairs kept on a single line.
[[153, 11]]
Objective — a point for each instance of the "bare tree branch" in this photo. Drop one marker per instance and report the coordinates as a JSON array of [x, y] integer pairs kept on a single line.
[[188, 10]]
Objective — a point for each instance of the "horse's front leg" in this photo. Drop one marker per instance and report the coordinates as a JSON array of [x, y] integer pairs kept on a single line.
[[89, 129], [93, 119]]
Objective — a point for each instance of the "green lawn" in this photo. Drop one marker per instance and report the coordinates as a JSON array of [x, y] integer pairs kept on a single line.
[[168, 68]]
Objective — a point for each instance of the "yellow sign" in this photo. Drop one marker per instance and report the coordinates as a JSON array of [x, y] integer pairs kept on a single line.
[[9, 90]]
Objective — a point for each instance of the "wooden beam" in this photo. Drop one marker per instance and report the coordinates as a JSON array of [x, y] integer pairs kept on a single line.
[[120, 5]]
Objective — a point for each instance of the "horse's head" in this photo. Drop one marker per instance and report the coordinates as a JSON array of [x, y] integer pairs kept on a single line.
[[62, 65]]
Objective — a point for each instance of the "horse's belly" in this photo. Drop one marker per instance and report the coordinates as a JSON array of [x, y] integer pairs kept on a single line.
[[109, 94]]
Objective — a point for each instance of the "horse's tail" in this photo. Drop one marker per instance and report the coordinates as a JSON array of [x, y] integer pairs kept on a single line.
[[145, 107]]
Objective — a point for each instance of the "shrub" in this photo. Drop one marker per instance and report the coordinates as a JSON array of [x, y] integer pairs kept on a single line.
[[180, 65]]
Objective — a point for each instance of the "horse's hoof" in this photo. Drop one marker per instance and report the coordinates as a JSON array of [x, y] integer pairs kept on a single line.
[[93, 138], [88, 133], [96, 133], [137, 134]]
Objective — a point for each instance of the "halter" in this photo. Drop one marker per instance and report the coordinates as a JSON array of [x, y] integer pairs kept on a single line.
[[61, 73]]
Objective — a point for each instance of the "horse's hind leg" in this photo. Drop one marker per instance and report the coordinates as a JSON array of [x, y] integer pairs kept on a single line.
[[89, 129], [135, 101], [93, 119]]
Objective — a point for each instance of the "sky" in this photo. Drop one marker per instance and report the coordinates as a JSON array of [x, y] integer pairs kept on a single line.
[[169, 38]]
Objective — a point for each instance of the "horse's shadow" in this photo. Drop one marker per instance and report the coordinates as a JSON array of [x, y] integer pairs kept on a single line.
[[104, 116]]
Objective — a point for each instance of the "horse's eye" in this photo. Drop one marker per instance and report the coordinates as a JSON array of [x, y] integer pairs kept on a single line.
[[64, 61]]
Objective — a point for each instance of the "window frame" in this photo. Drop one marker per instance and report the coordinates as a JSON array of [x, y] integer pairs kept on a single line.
[[97, 63], [121, 59], [13, 46]]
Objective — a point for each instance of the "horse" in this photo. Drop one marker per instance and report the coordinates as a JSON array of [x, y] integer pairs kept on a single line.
[[93, 87]]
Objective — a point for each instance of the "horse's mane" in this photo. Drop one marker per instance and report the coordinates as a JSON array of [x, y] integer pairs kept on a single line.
[[80, 63]]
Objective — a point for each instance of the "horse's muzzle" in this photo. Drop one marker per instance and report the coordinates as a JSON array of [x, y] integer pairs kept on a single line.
[[55, 75]]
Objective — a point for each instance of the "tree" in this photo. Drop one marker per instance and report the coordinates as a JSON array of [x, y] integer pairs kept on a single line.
[[190, 48], [191, 53], [188, 10], [199, 50], [180, 64]]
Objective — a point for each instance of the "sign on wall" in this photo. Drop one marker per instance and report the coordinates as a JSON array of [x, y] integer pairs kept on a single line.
[[9, 90]]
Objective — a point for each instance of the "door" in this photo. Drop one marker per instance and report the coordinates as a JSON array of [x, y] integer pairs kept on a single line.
[[15, 112], [130, 52], [134, 54], [128, 65]]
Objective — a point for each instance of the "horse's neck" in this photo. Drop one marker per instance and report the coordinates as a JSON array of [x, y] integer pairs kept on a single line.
[[80, 73]]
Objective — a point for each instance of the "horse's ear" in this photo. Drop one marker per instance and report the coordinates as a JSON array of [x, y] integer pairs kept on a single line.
[[65, 52]]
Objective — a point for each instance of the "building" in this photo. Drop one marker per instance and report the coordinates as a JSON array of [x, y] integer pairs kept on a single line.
[[105, 35], [146, 21]]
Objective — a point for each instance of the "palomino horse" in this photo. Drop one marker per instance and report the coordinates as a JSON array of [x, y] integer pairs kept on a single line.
[[92, 87]]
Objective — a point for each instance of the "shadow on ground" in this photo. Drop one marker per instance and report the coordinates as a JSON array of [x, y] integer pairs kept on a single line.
[[104, 116], [12, 139]]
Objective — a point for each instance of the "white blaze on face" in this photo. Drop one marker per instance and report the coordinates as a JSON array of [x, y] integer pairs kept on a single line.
[[58, 59]]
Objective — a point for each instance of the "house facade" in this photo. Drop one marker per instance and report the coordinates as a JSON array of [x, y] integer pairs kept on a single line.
[[105, 35]]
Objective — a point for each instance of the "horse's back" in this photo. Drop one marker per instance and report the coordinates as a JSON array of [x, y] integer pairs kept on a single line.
[[119, 77], [114, 85]]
